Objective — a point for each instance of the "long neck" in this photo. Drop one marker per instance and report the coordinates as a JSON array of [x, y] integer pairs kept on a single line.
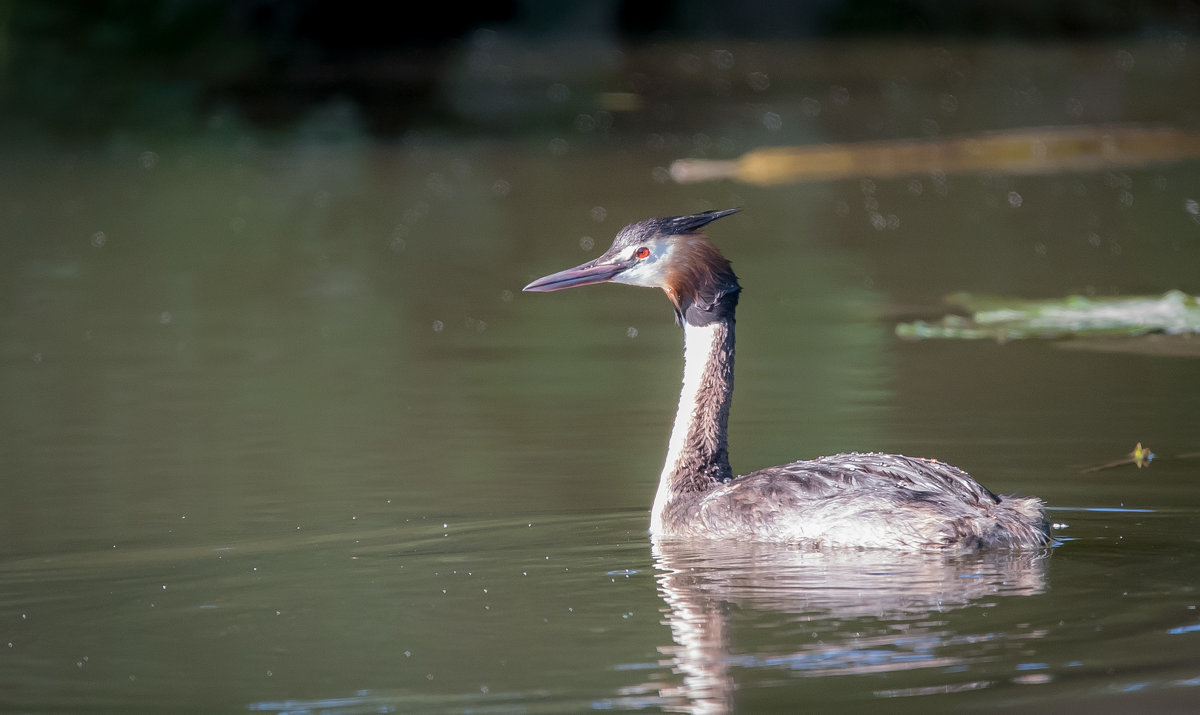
[[698, 454]]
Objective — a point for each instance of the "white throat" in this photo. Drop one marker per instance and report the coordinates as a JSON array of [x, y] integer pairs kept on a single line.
[[700, 348]]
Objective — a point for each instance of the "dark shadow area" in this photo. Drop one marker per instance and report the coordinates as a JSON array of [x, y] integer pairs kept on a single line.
[[93, 68]]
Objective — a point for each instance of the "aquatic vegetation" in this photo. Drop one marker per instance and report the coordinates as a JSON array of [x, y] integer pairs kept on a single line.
[[998, 318], [1140, 457]]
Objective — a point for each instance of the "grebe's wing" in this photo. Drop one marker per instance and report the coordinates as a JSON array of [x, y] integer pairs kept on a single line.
[[826, 476]]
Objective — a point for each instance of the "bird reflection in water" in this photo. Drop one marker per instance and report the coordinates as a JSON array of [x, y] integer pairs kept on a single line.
[[893, 599]]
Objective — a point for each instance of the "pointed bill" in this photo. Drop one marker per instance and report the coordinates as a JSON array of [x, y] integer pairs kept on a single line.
[[582, 275]]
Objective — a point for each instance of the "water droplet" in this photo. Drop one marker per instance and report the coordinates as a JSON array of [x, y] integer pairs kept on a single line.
[[1124, 60], [506, 296], [1014, 199], [758, 81], [558, 147], [721, 59], [810, 107], [438, 326], [501, 188], [587, 243], [148, 160], [632, 332], [165, 318], [772, 121], [98, 239], [840, 96], [585, 123], [599, 213], [948, 103], [1192, 206]]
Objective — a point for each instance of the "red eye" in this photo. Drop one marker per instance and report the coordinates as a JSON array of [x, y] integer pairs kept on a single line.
[[642, 252]]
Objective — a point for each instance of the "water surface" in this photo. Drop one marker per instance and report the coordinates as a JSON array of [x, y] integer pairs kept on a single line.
[[281, 433]]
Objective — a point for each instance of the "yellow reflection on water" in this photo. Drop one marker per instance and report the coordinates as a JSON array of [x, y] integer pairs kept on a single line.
[[1020, 151]]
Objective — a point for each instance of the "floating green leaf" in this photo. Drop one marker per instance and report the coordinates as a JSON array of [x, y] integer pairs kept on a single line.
[[1173, 313]]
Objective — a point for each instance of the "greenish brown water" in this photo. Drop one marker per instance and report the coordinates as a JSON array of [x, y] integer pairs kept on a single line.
[[282, 434]]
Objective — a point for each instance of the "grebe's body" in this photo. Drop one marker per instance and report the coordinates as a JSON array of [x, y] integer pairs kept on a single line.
[[855, 500]]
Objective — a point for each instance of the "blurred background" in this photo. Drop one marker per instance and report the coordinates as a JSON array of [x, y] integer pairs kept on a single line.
[[263, 342], [113, 66]]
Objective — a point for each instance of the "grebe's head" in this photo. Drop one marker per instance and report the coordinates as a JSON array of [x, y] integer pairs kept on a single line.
[[668, 253]]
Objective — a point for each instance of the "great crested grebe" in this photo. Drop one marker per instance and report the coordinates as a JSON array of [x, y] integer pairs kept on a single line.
[[851, 500]]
